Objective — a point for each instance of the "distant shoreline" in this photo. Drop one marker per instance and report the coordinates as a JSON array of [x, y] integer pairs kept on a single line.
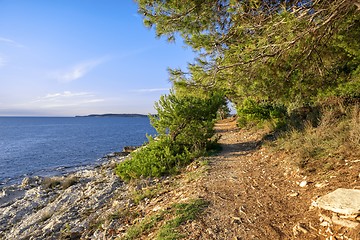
[[115, 115]]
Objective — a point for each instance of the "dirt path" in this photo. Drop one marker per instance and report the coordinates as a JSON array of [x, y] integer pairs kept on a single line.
[[254, 192], [250, 195]]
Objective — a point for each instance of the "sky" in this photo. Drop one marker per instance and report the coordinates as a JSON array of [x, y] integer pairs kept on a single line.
[[79, 57]]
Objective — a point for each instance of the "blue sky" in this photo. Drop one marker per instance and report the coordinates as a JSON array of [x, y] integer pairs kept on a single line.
[[76, 57]]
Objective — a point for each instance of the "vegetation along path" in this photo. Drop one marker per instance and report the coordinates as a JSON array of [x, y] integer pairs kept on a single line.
[[253, 194], [252, 189]]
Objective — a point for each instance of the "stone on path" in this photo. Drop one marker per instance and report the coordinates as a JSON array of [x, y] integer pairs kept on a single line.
[[342, 201]]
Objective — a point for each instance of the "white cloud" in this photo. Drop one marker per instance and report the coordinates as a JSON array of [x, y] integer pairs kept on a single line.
[[11, 42], [79, 70], [65, 94], [147, 90], [66, 99]]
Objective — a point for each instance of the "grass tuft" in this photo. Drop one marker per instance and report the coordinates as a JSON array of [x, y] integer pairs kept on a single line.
[[167, 221], [323, 147]]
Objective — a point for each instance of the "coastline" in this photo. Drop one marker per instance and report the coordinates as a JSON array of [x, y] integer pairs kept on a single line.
[[244, 187], [39, 207], [58, 171]]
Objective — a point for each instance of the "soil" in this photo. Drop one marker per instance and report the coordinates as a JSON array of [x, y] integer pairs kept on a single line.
[[252, 189], [255, 194]]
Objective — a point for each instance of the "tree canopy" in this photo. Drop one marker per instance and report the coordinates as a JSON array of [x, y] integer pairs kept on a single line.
[[284, 51]]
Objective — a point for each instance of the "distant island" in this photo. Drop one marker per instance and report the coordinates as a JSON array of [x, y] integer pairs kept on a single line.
[[115, 115]]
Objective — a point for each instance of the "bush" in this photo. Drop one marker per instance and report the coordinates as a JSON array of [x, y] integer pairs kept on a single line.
[[160, 157], [185, 130], [187, 120], [251, 112]]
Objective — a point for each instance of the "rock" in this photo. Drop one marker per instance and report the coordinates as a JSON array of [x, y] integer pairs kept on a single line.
[[129, 149], [31, 181], [321, 185], [300, 228], [345, 223], [30, 211], [325, 224], [342, 201], [157, 208], [117, 154], [293, 194], [303, 184]]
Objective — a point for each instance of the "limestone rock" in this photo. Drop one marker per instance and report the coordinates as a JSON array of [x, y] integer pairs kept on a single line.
[[343, 222], [32, 211], [31, 181], [303, 184], [293, 194], [342, 201]]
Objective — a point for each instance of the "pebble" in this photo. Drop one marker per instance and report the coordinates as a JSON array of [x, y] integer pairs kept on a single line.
[[303, 184], [294, 194], [321, 185]]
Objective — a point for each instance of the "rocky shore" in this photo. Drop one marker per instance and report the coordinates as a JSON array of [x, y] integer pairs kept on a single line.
[[66, 207]]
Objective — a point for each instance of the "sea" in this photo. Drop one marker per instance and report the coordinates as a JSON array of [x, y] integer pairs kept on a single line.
[[49, 146]]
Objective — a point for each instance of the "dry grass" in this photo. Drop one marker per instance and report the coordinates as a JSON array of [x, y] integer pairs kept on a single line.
[[323, 147]]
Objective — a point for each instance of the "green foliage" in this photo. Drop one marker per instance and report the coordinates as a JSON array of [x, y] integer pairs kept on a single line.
[[184, 212], [185, 130], [178, 214], [160, 157], [251, 112], [146, 225], [288, 52], [223, 112], [187, 120]]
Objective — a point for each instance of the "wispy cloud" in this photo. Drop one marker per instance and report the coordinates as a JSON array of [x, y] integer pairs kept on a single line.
[[148, 90], [11, 42], [65, 94], [2, 61], [66, 99], [79, 70]]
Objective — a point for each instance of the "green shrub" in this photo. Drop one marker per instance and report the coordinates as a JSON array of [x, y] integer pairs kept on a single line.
[[160, 157], [187, 120], [251, 112], [185, 131]]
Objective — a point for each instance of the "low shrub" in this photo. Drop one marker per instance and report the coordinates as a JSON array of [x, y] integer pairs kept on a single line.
[[185, 127], [252, 113], [183, 212], [160, 157]]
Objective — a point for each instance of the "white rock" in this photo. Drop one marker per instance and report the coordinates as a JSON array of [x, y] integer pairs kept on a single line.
[[343, 201], [294, 194], [157, 208], [321, 185], [325, 224], [303, 184], [345, 223]]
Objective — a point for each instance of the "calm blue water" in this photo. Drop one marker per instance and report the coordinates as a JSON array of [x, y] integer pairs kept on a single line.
[[50, 145]]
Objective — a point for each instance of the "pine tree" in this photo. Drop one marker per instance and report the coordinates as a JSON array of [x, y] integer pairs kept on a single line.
[[289, 51]]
